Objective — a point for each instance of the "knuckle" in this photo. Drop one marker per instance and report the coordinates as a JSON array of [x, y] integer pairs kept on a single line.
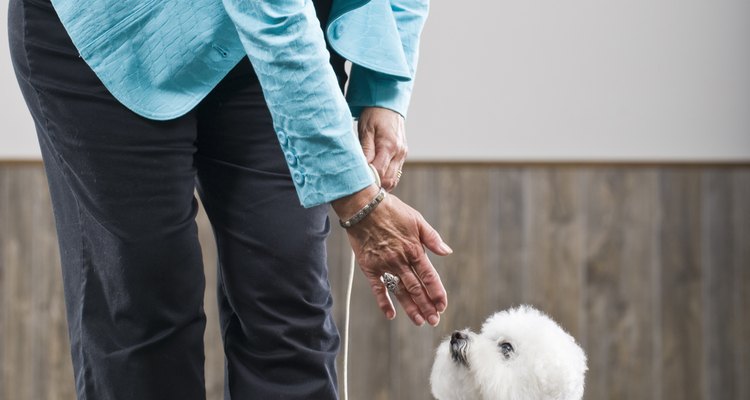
[[377, 289], [414, 289], [383, 303], [418, 216], [413, 251], [430, 276], [391, 258], [431, 234], [366, 266]]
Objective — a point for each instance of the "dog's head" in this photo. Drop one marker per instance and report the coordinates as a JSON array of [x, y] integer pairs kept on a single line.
[[519, 354]]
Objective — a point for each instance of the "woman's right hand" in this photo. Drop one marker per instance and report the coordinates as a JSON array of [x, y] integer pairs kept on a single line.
[[393, 239]]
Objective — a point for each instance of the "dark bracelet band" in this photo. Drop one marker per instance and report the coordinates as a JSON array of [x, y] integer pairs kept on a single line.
[[365, 211]]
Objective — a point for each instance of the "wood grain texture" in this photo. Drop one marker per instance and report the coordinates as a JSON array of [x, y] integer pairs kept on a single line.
[[620, 217], [505, 246], [649, 267], [33, 334], [683, 314], [5, 236], [719, 287], [555, 209], [740, 185]]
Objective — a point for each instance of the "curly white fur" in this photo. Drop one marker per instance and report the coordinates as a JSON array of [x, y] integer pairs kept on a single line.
[[545, 362]]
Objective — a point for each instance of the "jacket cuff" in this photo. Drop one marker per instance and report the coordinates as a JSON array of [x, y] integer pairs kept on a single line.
[[327, 187], [368, 88], [324, 167]]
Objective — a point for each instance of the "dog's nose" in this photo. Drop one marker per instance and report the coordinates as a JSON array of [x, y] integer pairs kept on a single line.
[[458, 336]]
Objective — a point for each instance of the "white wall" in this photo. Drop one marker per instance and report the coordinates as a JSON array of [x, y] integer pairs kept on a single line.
[[17, 136], [584, 80]]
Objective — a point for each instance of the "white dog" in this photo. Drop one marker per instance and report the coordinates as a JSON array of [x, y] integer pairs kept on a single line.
[[521, 354]]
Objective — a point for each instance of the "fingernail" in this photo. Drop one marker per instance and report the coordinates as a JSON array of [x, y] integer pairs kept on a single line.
[[434, 320], [419, 320], [440, 307], [390, 315], [446, 248]]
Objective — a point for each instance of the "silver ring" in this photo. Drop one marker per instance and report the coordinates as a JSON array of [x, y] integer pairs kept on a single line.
[[390, 281]]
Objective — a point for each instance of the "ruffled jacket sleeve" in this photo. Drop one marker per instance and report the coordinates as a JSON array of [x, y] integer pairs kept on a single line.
[[381, 39], [286, 47]]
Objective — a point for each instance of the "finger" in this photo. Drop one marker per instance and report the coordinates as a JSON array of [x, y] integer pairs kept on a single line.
[[383, 154], [431, 281], [367, 141], [410, 307], [414, 289], [392, 175], [431, 239], [401, 152], [392, 178], [382, 299]]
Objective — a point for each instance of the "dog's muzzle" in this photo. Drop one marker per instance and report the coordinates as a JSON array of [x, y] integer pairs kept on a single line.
[[459, 346]]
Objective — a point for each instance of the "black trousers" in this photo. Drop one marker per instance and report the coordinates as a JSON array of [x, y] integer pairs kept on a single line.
[[122, 190]]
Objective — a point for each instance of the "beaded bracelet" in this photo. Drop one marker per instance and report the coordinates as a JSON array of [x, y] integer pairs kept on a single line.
[[365, 211]]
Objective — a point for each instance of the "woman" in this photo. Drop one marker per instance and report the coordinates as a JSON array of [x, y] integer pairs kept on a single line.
[[137, 103]]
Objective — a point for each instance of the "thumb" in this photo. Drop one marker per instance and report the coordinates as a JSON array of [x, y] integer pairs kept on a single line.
[[432, 240]]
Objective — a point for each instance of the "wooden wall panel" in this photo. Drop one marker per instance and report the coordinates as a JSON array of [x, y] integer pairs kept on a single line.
[[649, 267], [506, 271], [741, 265], [555, 244], [621, 211], [683, 315], [34, 351], [720, 370], [464, 227]]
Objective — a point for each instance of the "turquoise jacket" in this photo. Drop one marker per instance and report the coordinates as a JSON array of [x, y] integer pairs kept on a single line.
[[161, 57]]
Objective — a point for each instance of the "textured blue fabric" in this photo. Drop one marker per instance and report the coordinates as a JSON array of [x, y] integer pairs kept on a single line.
[[161, 57], [381, 39]]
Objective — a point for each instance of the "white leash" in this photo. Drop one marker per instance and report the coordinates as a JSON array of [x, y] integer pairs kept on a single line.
[[352, 265], [349, 287]]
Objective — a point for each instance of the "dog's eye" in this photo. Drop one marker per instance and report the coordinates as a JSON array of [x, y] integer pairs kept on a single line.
[[506, 348]]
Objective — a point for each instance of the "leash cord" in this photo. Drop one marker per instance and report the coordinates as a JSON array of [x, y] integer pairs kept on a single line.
[[349, 287]]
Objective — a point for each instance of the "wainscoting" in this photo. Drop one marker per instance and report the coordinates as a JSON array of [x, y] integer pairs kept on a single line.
[[648, 266]]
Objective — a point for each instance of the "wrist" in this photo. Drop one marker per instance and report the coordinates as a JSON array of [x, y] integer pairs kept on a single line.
[[347, 206]]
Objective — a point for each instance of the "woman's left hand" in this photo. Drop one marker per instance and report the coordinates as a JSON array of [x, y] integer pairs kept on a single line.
[[392, 239], [383, 139]]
